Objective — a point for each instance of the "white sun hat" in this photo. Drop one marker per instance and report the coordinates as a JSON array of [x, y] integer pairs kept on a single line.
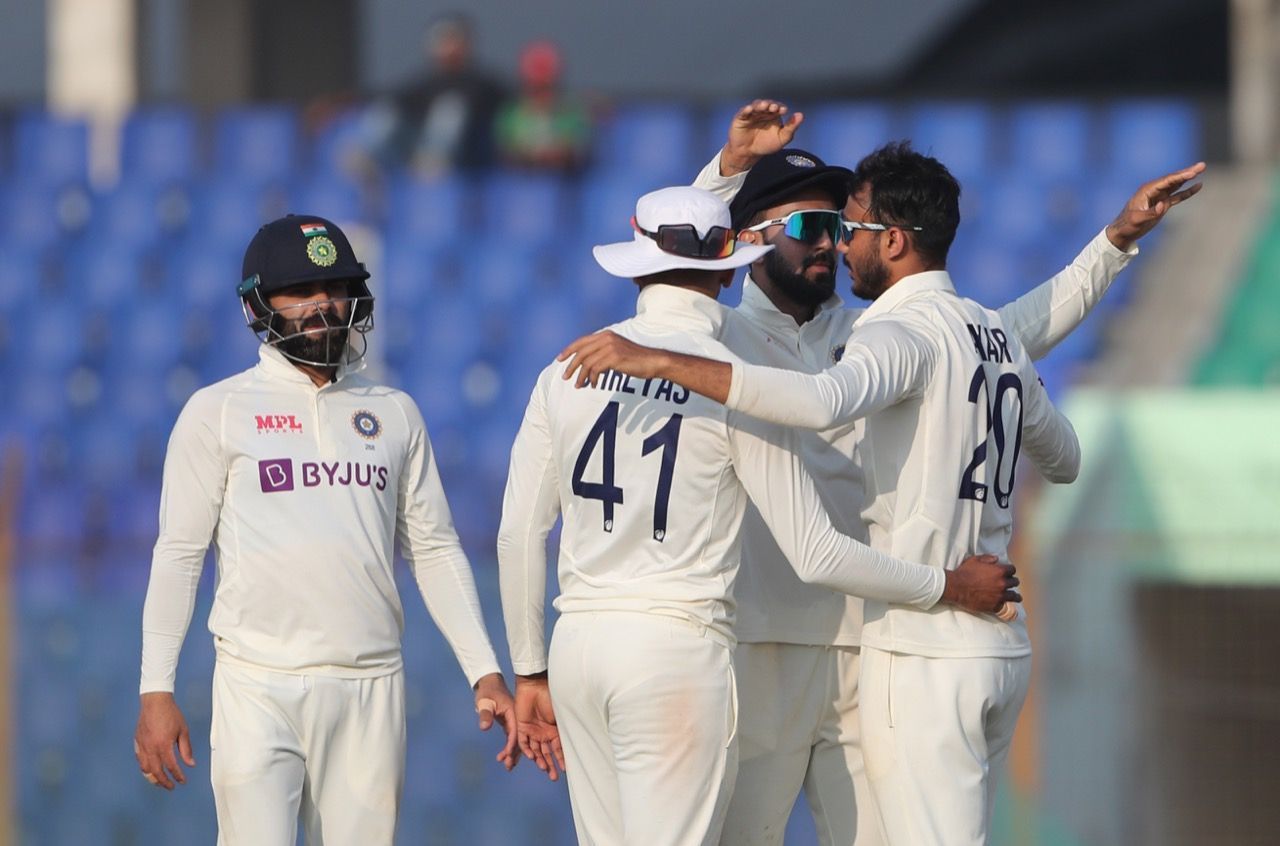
[[677, 206]]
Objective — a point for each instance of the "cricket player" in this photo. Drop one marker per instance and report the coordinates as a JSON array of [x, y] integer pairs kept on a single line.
[[951, 402], [652, 481], [303, 473], [798, 651]]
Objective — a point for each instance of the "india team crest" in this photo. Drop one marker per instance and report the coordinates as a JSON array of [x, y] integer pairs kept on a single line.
[[366, 424], [321, 251]]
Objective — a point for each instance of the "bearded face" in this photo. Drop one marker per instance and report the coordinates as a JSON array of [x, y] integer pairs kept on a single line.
[[318, 338]]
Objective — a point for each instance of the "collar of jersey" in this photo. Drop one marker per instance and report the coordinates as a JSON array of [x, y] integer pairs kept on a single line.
[[757, 306], [273, 362], [673, 307], [905, 289]]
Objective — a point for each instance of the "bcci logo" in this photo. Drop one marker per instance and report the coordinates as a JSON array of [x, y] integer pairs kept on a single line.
[[321, 251], [366, 424]]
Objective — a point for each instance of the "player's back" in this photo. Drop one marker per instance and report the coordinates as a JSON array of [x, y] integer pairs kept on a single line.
[[940, 467], [650, 501]]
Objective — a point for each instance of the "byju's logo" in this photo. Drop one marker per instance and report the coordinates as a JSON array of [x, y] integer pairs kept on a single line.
[[276, 474]]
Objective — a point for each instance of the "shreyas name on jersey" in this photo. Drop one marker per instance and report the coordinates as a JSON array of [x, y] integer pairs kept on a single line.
[[658, 389]]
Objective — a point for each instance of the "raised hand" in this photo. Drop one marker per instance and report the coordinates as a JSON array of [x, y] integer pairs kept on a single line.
[[759, 128], [1150, 204], [161, 726], [539, 735], [981, 584]]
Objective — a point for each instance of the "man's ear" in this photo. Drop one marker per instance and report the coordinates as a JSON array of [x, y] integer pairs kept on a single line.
[[896, 243], [750, 237]]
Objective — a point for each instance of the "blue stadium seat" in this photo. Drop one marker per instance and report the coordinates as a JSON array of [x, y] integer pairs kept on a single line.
[[1051, 139], [21, 280], [336, 139], [1148, 138], [51, 150], [842, 133], [105, 274], [131, 216], [39, 215], [1019, 208], [52, 336], [160, 146], [106, 450], [607, 203], [52, 513], [957, 134], [524, 208], [715, 131], [330, 196], [429, 212], [258, 144], [650, 140], [226, 211], [203, 276]]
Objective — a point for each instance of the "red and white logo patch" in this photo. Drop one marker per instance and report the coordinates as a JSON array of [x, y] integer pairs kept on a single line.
[[275, 424]]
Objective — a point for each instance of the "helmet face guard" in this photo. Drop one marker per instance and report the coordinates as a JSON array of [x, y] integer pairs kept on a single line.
[[344, 338], [296, 250]]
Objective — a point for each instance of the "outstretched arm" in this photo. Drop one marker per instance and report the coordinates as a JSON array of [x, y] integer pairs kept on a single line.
[[883, 363], [1044, 316]]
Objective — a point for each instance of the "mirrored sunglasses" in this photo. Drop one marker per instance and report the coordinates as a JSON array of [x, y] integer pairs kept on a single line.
[[807, 225], [683, 240]]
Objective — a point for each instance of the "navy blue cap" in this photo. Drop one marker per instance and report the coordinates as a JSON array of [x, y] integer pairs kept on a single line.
[[783, 174], [294, 249]]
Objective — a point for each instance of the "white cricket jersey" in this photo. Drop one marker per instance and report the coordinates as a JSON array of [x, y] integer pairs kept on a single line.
[[951, 402], [774, 606], [652, 481], [302, 491]]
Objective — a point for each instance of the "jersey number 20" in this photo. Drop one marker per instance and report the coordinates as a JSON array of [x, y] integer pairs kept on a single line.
[[1001, 422], [605, 429]]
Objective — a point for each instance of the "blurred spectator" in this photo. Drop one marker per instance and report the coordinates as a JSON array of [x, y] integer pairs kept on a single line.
[[543, 128], [444, 118]]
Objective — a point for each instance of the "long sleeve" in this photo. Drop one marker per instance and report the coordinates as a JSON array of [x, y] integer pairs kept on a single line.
[[424, 527], [530, 507], [1042, 317], [767, 462], [195, 477], [1047, 434], [883, 364], [724, 187]]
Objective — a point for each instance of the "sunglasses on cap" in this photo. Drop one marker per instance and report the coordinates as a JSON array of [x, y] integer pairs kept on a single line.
[[682, 239], [808, 225]]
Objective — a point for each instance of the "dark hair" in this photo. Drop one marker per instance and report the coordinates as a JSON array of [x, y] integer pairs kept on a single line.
[[908, 188]]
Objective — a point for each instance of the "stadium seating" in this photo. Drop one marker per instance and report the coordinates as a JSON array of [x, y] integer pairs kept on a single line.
[[120, 302]]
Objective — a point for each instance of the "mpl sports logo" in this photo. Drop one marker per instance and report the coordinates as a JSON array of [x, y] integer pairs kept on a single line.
[[276, 475], [275, 424]]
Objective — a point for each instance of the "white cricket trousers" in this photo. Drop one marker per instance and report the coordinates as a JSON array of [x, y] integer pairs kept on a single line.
[[330, 749], [935, 736], [647, 710], [798, 729]]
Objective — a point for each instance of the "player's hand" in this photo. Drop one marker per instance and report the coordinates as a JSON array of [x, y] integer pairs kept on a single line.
[[494, 703], [161, 726], [759, 128], [592, 355], [1150, 204], [539, 735], [981, 584]]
